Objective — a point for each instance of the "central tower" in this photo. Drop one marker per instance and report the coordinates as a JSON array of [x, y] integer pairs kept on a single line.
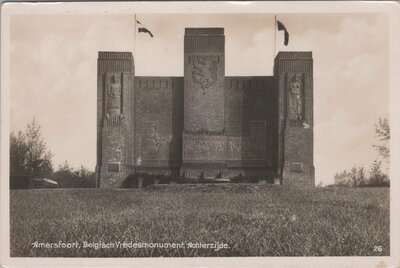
[[204, 140]]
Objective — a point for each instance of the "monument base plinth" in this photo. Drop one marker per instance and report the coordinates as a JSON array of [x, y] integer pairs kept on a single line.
[[203, 170], [298, 175], [111, 179]]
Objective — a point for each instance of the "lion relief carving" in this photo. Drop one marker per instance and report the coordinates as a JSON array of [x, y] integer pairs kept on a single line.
[[204, 71]]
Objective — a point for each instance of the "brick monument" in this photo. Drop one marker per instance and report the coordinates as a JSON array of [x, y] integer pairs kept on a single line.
[[205, 126]]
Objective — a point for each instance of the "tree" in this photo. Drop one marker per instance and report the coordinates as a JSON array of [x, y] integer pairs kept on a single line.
[[377, 177], [360, 178], [28, 152], [18, 152], [357, 176], [382, 131]]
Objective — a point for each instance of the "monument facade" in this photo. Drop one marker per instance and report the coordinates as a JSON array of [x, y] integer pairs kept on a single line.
[[205, 126]]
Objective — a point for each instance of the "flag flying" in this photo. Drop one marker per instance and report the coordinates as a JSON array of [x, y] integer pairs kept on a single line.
[[282, 27], [142, 29]]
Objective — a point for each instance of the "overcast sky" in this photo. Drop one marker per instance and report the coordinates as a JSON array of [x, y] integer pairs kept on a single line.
[[54, 57]]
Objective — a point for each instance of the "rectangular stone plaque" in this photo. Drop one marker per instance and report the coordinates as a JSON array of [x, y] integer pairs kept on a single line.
[[296, 167], [114, 167]]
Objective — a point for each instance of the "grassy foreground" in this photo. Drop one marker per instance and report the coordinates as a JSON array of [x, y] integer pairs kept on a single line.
[[252, 219]]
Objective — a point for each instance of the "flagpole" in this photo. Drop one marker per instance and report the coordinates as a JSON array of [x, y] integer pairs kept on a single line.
[[134, 39], [275, 38]]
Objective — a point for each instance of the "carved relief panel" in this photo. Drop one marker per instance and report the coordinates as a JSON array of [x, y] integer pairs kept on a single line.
[[295, 88], [116, 150], [204, 148], [204, 93], [113, 111], [234, 148], [204, 71], [151, 140]]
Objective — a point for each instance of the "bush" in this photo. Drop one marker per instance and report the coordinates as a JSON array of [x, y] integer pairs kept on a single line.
[[67, 177], [356, 177]]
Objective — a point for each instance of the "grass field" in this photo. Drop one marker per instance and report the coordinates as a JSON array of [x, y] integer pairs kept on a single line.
[[252, 219]]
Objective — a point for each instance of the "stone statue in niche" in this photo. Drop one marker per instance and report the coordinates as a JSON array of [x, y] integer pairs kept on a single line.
[[113, 111], [296, 97], [204, 71]]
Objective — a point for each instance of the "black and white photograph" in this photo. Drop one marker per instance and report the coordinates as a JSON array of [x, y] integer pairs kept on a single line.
[[134, 131]]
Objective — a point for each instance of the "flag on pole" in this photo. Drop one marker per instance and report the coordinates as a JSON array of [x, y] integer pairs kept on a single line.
[[142, 29], [282, 27]]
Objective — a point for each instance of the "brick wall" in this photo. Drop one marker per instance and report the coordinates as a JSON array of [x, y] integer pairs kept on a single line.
[[158, 123], [248, 120]]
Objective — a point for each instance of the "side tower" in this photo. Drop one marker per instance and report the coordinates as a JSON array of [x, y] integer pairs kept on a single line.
[[204, 140], [293, 72], [115, 73]]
